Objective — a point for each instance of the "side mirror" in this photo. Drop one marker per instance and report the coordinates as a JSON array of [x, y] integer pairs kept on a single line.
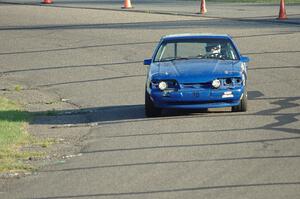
[[244, 59], [147, 61]]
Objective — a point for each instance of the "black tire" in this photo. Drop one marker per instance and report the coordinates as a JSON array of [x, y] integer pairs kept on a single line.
[[242, 107], [150, 109]]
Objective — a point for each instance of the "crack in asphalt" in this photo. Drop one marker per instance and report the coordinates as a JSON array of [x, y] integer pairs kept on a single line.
[[230, 186], [172, 162], [190, 145], [127, 44]]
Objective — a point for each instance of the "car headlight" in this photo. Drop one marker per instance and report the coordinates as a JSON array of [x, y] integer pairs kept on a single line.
[[162, 85], [216, 83]]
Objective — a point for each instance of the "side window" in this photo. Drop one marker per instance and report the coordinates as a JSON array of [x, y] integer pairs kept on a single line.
[[230, 52], [169, 51], [166, 51]]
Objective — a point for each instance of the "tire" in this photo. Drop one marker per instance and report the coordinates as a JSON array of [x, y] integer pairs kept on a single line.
[[242, 107], [150, 109]]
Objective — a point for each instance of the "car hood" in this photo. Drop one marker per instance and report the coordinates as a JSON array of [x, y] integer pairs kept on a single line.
[[198, 71]]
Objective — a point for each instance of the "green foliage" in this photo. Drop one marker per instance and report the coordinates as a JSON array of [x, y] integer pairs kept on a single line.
[[18, 88], [13, 135]]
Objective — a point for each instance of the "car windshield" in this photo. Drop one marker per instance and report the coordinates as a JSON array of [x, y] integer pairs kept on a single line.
[[196, 49]]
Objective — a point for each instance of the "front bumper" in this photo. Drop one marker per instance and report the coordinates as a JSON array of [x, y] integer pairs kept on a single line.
[[197, 98]]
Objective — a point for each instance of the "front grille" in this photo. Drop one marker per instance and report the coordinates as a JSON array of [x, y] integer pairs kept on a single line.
[[196, 85]]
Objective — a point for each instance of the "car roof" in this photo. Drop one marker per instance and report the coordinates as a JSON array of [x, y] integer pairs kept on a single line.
[[196, 36]]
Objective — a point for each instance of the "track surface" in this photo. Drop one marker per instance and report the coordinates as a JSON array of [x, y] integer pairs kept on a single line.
[[94, 59]]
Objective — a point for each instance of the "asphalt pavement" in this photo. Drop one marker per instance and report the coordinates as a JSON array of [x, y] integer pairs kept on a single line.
[[87, 63], [254, 11]]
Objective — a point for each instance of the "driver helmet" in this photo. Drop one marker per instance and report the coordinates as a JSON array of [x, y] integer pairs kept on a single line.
[[212, 48]]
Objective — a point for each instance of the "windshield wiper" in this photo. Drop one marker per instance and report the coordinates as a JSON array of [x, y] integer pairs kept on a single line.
[[173, 59], [215, 56], [197, 57]]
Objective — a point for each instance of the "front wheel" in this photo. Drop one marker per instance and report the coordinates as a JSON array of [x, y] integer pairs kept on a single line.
[[150, 109], [242, 107]]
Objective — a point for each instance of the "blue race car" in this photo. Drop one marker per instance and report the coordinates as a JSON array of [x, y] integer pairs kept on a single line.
[[196, 71]]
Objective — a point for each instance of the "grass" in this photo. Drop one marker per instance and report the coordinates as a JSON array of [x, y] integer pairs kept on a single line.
[[18, 88], [14, 136]]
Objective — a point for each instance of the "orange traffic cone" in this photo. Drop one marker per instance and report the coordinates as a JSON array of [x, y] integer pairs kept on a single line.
[[282, 13], [203, 7], [127, 4], [47, 2]]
